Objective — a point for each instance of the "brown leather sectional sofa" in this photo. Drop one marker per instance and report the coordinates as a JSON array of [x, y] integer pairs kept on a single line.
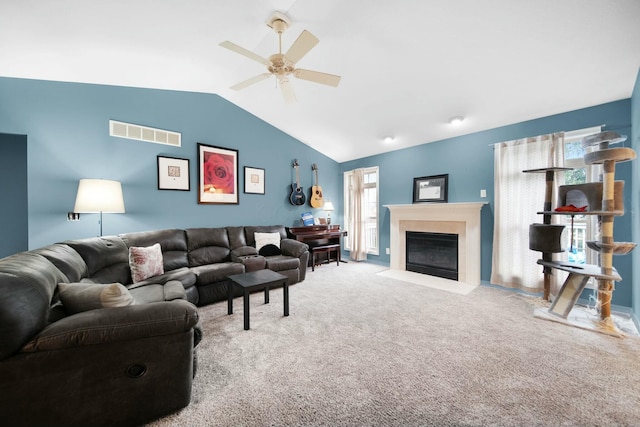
[[125, 365]]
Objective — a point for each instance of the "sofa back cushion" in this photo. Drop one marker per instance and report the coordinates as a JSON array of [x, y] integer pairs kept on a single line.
[[250, 232], [236, 237], [173, 243], [207, 246], [107, 258], [66, 259], [27, 284]]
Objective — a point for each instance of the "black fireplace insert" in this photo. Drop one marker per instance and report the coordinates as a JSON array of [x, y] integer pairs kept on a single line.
[[435, 254]]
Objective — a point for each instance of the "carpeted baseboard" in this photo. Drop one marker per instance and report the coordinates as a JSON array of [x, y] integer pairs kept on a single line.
[[361, 349]]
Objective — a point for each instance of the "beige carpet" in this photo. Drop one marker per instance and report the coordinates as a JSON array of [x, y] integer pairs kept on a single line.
[[429, 281], [361, 349]]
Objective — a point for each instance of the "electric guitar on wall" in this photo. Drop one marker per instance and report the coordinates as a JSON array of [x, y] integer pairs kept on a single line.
[[316, 191], [297, 197]]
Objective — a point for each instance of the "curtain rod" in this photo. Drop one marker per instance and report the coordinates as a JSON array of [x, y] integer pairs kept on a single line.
[[601, 126]]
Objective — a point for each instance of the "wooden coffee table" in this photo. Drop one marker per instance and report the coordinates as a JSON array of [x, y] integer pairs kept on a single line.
[[256, 280]]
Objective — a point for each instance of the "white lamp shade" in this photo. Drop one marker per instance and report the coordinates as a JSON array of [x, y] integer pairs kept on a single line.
[[328, 206], [99, 195]]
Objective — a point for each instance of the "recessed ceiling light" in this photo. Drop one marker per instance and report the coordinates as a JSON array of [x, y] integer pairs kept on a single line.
[[389, 139], [457, 120]]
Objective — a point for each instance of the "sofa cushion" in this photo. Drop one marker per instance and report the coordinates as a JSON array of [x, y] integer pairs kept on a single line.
[[282, 262], [182, 275], [27, 285], [207, 274], [207, 246], [79, 297], [236, 237], [263, 239], [107, 258], [168, 291], [68, 261], [145, 262]]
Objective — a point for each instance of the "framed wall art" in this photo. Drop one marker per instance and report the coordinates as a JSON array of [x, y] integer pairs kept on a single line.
[[217, 175], [253, 180], [431, 188], [173, 173]]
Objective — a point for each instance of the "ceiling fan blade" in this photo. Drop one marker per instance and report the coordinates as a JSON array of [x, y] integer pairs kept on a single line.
[[252, 80], [317, 77], [303, 44], [287, 91], [242, 51]]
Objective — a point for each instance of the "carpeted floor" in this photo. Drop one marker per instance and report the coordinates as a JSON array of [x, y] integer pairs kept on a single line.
[[361, 349]]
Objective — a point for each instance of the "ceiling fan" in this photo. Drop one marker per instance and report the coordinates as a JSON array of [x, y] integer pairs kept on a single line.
[[284, 65]]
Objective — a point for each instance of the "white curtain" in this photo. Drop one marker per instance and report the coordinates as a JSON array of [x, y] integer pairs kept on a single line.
[[518, 198], [357, 225]]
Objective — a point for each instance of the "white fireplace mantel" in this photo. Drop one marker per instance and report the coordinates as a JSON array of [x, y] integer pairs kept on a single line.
[[462, 219]]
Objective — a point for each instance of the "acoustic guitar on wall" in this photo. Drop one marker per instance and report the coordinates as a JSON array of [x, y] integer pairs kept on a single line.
[[316, 191], [297, 197]]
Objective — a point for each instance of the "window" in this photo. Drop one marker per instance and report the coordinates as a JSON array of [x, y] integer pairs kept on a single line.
[[370, 201], [584, 227]]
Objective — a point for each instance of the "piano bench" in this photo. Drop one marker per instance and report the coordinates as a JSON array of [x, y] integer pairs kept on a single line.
[[324, 249]]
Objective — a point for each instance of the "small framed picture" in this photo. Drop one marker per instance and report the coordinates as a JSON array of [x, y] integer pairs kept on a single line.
[[253, 180], [173, 173], [217, 175], [431, 188]]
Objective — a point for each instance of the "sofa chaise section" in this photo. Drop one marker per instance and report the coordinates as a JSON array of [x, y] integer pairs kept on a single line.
[[107, 366]]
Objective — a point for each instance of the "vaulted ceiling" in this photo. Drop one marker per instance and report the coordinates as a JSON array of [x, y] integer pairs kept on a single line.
[[407, 66]]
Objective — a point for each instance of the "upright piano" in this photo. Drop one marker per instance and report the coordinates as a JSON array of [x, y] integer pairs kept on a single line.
[[317, 235]]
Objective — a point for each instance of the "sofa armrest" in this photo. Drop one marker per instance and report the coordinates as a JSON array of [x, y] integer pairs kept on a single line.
[[107, 325], [242, 251], [293, 247]]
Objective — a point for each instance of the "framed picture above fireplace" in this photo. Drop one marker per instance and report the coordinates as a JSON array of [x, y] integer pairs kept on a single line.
[[433, 188]]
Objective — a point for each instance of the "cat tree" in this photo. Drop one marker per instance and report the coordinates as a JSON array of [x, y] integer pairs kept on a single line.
[[604, 199]]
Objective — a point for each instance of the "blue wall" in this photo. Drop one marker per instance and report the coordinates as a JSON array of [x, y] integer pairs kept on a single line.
[[68, 139], [468, 160], [635, 209], [13, 193]]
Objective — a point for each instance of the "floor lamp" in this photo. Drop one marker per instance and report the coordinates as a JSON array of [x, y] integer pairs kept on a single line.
[[99, 196]]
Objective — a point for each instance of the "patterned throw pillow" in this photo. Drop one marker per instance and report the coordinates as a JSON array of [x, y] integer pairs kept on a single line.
[[145, 262]]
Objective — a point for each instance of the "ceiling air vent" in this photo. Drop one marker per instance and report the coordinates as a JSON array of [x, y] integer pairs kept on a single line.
[[143, 133]]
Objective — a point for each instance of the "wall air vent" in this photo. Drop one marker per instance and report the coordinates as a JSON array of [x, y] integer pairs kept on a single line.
[[143, 133]]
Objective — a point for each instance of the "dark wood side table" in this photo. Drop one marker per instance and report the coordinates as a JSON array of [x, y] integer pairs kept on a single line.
[[253, 281]]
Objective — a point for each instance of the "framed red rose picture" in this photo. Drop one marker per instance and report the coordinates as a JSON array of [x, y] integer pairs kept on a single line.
[[217, 175]]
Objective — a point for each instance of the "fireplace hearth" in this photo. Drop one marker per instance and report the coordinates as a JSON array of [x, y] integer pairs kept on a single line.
[[435, 254]]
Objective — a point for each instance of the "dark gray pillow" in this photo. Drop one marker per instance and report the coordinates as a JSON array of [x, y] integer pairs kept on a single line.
[[269, 250]]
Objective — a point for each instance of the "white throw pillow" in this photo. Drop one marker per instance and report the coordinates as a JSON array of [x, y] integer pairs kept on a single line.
[[263, 239], [79, 297], [145, 262]]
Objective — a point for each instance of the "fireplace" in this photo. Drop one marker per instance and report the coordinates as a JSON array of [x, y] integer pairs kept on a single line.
[[462, 219], [435, 254]]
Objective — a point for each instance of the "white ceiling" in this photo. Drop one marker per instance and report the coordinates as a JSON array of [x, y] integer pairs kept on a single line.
[[407, 66]]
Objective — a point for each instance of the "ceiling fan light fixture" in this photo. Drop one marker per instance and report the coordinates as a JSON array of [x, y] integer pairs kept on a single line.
[[279, 22], [282, 65]]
